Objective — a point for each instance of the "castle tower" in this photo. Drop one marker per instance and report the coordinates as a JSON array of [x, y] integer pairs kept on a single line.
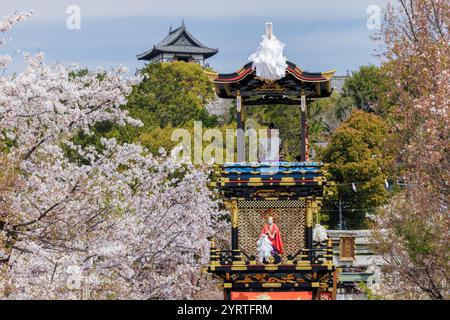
[[178, 45]]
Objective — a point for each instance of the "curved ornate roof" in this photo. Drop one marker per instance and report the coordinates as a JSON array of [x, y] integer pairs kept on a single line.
[[245, 81], [293, 69], [179, 40]]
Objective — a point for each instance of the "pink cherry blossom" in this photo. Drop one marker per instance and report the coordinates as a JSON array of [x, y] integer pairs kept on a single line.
[[122, 224]]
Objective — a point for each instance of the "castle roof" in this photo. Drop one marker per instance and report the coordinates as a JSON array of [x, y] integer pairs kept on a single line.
[[179, 40]]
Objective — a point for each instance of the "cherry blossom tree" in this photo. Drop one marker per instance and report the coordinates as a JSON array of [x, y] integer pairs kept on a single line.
[[5, 25], [120, 224], [414, 229]]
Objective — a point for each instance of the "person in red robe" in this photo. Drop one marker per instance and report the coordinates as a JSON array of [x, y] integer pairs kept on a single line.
[[273, 233]]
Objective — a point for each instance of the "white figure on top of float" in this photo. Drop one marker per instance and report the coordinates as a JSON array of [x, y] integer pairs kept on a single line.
[[268, 60]]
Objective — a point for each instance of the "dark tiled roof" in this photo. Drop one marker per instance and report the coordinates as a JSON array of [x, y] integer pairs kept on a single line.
[[179, 40]]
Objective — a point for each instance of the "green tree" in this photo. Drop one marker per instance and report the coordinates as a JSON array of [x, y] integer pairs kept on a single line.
[[324, 116], [284, 118], [173, 93], [354, 155], [368, 87]]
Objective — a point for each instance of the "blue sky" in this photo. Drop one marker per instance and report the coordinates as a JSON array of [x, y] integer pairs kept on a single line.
[[319, 35]]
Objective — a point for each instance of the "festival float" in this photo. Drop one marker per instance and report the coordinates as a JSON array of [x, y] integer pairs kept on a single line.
[[274, 253]]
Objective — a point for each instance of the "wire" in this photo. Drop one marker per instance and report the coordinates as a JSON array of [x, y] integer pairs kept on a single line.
[[354, 184], [359, 209], [363, 182]]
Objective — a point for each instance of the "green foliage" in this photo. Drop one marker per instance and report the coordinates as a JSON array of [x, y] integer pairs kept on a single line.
[[174, 94], [418, 239], [368, 87], [354, 155], [85, 72], [157, 138], [78, 73], [5, 143], [369, 293], [324, 116], [284, 118]]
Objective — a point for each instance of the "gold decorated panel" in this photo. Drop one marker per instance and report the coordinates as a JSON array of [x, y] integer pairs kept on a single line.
[[289, 215]]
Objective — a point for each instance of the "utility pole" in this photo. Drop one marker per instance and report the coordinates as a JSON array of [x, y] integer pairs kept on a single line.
[[340, 213]]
